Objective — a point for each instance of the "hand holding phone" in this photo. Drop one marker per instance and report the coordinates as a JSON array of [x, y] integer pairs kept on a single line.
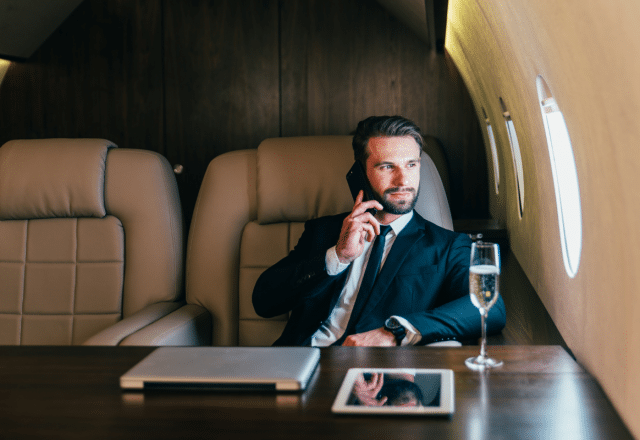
[[360, 225]]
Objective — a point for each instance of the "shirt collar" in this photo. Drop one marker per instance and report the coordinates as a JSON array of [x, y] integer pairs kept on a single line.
[[398, 224]]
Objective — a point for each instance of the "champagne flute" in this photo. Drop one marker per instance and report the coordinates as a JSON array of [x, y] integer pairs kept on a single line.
[[484, 288]]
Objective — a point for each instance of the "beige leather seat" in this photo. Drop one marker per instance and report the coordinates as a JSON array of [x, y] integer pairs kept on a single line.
[[92, 242], [250, 212]]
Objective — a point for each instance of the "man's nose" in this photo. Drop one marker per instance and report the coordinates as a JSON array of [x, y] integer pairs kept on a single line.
[[400, 177]]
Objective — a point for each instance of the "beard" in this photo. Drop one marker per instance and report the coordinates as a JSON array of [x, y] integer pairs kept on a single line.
[[399, 207]]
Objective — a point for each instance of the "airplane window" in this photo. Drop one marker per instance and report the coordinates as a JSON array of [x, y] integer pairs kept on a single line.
[[494, 153], [517, 159], [565, 178]]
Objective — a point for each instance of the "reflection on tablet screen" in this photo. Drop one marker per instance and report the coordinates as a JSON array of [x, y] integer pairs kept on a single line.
[[396, 389]]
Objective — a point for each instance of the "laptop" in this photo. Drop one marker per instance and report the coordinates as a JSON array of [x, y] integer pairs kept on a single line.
[[224, 369]]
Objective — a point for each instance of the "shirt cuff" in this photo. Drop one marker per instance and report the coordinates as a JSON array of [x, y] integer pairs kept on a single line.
[[334, 266], [413, 336]]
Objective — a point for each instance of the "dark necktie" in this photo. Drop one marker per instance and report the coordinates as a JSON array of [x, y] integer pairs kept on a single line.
[[369, 278]]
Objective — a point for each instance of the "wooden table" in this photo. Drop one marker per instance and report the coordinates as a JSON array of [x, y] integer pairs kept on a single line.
[[73, 392]]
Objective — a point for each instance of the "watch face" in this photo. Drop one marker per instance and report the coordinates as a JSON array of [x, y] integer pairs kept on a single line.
[[396, 328], [392, 324]]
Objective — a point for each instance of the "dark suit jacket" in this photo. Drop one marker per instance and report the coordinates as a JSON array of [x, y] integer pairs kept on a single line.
[[425, 279]]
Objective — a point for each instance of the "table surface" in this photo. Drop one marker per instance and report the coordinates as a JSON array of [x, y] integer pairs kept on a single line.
[[73, 392]]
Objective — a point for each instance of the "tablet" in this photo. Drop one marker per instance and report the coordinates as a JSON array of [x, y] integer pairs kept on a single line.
[[399, 391]]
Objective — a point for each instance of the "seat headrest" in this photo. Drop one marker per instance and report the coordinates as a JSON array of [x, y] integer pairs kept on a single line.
[[48, 178], [300, 178]]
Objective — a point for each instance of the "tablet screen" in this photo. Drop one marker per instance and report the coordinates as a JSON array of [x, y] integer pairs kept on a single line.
[[396, 391]]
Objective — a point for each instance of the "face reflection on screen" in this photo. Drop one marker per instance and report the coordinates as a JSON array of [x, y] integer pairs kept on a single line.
[[396, 389]]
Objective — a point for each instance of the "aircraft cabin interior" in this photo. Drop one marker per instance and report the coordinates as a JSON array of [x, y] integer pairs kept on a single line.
[[156, 156]]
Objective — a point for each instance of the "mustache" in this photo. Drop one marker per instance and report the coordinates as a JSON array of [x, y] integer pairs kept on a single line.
[[399, 189]]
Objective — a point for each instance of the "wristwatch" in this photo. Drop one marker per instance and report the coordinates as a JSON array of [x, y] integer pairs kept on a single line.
[[393, 326]]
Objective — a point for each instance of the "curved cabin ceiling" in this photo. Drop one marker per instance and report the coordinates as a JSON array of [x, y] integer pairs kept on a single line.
[[4, 66], [26, 24]]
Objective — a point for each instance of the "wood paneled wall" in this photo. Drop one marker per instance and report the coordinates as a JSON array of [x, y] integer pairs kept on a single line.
[[195, 79]]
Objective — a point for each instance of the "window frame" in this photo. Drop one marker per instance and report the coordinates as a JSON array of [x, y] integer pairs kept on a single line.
[[516, 156], [494, 152], [566, 182]]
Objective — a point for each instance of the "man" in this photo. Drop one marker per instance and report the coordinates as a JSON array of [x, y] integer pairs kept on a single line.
[[419, 295]]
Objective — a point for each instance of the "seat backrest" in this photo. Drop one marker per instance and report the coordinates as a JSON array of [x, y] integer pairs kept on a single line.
[[90, 234], [250, 213]]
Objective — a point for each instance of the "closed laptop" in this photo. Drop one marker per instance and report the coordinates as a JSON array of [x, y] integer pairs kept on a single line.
[[224, 368]]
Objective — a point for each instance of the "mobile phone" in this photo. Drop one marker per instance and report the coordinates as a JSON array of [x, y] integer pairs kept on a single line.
[[357, 180]]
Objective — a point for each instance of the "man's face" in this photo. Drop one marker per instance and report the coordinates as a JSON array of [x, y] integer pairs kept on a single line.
[[393, 170]]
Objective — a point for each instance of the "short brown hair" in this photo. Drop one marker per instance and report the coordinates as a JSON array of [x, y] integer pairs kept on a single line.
[[382, 126]]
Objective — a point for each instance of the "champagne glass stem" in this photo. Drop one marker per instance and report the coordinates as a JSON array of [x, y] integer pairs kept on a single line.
[[483, 343]]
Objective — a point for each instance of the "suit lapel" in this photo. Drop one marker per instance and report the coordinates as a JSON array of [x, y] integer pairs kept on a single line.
[[401, 248]]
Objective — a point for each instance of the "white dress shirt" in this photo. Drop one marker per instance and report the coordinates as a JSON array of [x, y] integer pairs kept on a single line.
[[334, 327]]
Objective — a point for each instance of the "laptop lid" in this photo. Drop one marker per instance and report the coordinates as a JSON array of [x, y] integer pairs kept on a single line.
[[224, 368]]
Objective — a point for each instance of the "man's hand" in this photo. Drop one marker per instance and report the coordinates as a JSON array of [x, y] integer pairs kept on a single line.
[[373, 338], [367, 391], [356, 228]]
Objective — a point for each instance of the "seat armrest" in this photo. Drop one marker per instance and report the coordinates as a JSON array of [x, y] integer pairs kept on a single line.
[[188, 326], [116, 333]]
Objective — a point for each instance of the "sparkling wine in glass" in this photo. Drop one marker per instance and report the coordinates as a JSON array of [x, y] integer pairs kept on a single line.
[[484, 288]]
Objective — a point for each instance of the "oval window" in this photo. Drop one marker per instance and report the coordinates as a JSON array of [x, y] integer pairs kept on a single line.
[[565, 178], [494, 151], [515, 154]]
